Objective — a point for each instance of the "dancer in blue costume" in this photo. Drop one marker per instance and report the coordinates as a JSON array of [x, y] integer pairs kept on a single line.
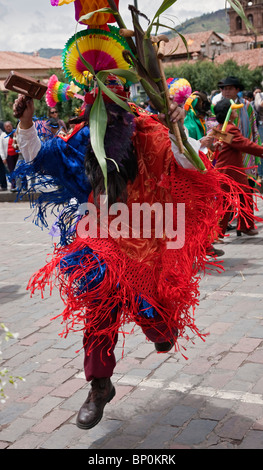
[[58, 163]]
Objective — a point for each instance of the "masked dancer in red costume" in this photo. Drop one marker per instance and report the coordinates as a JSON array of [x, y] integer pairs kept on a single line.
[[107, 281]]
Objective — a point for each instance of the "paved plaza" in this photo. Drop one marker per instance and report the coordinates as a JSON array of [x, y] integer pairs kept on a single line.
[[211, 400]]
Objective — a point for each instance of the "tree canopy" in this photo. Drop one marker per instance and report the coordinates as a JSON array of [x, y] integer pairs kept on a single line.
[[205, 75]]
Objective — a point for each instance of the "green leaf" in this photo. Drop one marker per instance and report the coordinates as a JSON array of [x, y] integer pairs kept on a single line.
[[101, 10], [164, 6], [157, 99], [129, 75], [98, 124]]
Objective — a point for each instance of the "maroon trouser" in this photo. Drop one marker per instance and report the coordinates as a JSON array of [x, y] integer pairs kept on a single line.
[[99, 358], [243, 223]]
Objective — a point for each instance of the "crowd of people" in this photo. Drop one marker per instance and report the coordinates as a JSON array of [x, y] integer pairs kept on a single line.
[[199, 120], [10, 155]]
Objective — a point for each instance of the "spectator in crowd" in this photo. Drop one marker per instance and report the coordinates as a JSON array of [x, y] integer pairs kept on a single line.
[[248, 95], [230, 162], [246, 121], [9, 150], [258, 108], [60, 124], [3, 180]]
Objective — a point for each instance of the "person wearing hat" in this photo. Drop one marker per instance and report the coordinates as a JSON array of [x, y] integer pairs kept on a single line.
[[246, 121], [258, 107], [230, 162]]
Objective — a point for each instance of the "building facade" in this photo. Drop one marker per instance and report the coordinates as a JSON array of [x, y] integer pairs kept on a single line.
[[254, 13]]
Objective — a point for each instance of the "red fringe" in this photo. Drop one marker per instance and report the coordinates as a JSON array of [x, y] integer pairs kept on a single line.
[[167, 279]]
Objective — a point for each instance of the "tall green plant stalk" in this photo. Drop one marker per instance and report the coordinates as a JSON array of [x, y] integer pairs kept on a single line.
[[143, 57]]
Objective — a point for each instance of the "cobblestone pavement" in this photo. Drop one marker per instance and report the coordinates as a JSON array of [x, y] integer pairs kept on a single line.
[[211, 400]]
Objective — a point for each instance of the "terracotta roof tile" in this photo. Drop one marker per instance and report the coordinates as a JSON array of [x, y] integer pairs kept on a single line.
[[17, 61], [253, 58], [176, 45]]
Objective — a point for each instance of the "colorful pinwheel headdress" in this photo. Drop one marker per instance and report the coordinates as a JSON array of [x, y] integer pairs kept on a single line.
[[102, 50], [58, 92]]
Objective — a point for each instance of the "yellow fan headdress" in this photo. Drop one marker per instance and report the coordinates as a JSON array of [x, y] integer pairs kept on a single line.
[[103, 50]]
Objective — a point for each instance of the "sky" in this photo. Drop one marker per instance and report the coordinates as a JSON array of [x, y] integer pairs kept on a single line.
[[29, 25]]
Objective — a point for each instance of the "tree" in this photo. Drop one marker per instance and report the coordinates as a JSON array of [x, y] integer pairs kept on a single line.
[[205, 75]]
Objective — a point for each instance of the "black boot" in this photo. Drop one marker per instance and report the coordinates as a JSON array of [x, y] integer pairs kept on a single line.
[[102, 392], [164, 347]]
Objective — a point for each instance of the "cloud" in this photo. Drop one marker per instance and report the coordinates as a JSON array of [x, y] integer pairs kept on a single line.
[[25, 28]]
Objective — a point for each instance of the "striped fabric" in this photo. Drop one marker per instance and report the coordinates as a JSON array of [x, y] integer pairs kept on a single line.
[[246, 122]]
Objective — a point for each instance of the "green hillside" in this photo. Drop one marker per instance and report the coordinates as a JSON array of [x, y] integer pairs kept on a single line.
[[217, 21]]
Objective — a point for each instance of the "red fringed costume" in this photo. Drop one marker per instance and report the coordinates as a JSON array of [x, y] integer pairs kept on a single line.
[[116, 281]]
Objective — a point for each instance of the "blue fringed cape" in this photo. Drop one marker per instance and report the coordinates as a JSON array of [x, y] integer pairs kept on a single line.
[[56, 180]]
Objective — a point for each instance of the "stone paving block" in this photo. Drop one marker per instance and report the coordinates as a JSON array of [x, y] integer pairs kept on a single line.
[[10, 351], [258, 425], [51, 422], [246, 345], [178, 415], [153, 361], [125, 365], [25, 332], [30, 441], [199, 366], [256, 356], [100, 434], [237, 385], [119, 442], [32, 339], [218, 328], [258, 387], [143, 350], [53, 366], [250, 372], [37, 394], [232, 361], [158, 438], [253, 440], [75, 401], [59, 439], [166, 370], [16, 429], [140, 425], [134, 377], [4, 445], [68, 388], [121, 391], [235, 427], [60, 376], [215, 409], [12, 411], [257, 332], [42, 407], [195, 433]]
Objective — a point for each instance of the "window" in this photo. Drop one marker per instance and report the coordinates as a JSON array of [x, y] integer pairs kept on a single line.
[[238, 23], [250, 18]]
